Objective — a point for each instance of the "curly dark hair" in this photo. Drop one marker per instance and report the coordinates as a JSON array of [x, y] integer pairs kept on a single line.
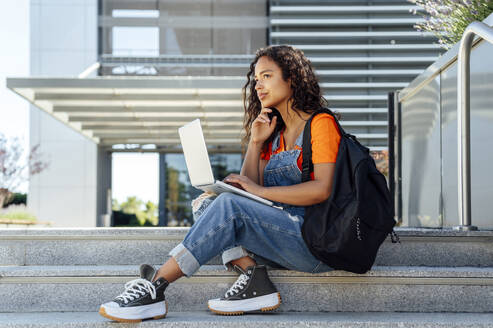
[[306, 97]]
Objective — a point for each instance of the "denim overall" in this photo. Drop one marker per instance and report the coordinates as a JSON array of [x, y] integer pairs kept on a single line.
[[237, 226], [282, 170]]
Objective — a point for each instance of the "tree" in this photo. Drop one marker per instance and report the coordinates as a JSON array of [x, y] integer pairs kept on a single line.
[[132, 205], [448, 19], [15, 169], [135, 206], [178, 200], [151, 214]]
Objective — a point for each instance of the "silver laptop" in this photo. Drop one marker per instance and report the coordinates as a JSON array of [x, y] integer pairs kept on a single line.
[[199, 166]]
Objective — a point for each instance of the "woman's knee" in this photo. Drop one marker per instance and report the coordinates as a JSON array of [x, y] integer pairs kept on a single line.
[[226, 196], [230, 209], [228, 201], [231, 198]]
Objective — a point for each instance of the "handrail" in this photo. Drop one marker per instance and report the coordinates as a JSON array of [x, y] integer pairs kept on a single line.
[[463, 120], [89, 70], [443, 62]]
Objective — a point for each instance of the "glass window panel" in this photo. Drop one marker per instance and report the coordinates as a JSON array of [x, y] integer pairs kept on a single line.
[[175, 28], [135, 192], [135, 41], [180, 192], [135, 13]]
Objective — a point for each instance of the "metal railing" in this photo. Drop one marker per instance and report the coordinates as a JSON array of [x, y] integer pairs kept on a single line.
[[463, 120], [475, 34]]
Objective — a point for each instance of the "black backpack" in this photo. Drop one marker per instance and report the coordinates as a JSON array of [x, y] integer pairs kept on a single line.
[[346, 230]]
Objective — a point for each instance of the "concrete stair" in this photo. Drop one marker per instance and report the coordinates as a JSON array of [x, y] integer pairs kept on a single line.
[[115, 246], [203, 319], [63, 275], [387, 289]]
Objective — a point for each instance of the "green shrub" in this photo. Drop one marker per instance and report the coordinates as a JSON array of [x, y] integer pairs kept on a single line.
[[448, 19], [16, 199], [134, 213]]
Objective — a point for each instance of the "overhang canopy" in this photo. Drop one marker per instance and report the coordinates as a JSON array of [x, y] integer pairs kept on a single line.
[[141, 111]]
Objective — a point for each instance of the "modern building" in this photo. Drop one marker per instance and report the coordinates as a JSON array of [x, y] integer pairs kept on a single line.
[[113, 76]]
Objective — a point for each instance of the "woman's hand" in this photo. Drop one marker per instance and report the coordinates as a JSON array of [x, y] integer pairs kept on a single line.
[[262, 126], [245, 183]]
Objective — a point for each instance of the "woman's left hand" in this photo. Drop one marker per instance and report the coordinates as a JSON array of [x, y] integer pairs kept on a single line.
[[245, 182]]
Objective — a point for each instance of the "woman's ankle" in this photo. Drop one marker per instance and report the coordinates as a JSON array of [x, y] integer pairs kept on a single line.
[[244, 262], [169, 271]]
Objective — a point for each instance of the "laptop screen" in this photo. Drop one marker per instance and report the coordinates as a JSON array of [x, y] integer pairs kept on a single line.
[[196, 156]]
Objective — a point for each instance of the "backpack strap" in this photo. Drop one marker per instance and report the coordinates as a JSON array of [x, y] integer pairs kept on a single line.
[[307, 166]]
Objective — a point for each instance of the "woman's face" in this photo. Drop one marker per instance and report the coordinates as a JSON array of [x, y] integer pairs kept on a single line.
[[272, 90]]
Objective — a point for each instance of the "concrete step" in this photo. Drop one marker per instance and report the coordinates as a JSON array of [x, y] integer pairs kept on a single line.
[[115, 246], [203, 319], [387, 289]]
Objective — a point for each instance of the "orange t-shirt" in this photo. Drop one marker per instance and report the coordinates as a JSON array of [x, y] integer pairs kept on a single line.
[[325, 142]]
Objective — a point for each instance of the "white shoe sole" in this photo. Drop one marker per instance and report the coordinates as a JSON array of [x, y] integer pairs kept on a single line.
[[261, 303], [135, 314]]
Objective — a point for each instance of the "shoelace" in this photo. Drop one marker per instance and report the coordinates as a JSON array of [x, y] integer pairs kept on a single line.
[[136, 288], [239, 284]]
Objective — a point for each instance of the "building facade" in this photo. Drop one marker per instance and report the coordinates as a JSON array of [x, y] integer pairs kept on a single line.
[[360, 49]]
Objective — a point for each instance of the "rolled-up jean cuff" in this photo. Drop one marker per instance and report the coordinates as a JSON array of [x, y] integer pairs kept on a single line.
[[233, 254], [186, 261]]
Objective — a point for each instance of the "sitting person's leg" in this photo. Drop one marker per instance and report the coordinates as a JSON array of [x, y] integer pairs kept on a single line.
[[171, 271], [268, 236], [232, 221], [244, 262], [231, 225], [144, 297], [227, 224], [212, 233]]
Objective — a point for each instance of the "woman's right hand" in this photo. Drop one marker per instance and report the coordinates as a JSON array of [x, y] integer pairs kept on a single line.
[[262, 126]]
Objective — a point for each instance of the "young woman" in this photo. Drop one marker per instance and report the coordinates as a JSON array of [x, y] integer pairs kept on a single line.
[[249, 234]]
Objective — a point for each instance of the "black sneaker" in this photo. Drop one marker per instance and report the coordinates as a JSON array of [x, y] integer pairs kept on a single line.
[[142, 299], [253, 291]]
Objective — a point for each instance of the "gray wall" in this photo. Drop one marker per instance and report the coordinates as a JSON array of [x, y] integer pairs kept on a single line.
[[63, 43], [429, 147]]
